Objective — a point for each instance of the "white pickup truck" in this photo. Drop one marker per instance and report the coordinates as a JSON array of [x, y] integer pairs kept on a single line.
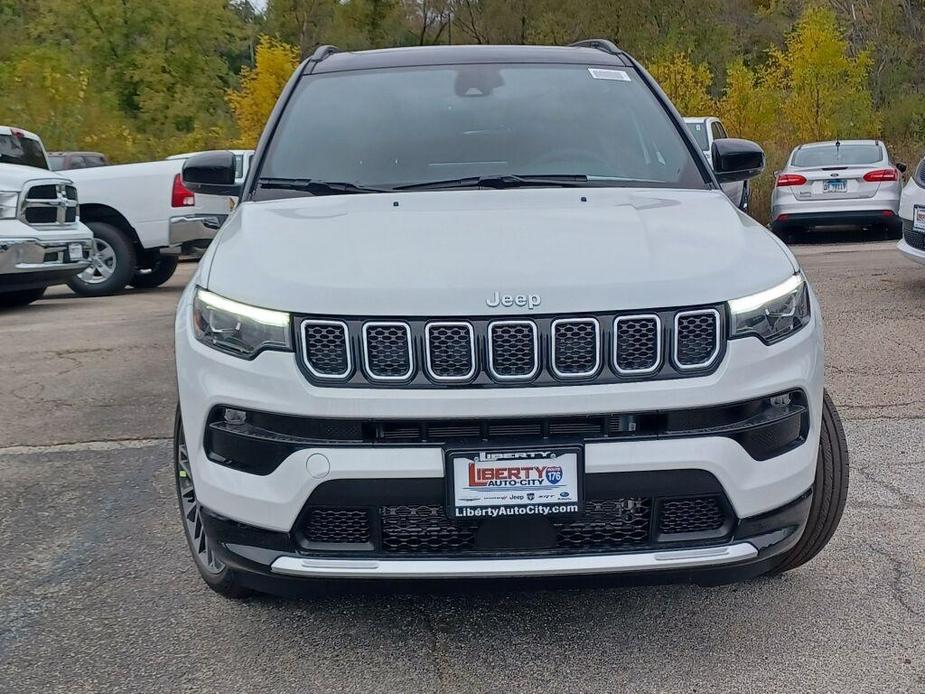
[[142, 218], [42, 242]]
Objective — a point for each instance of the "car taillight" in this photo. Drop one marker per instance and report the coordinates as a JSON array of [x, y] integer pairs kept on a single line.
[[790, 180], [878, 175], [181, 196]]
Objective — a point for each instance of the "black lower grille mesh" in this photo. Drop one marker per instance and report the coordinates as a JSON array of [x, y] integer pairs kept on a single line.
[[694, 515], [341, 525], [916, 239], [604, 525]]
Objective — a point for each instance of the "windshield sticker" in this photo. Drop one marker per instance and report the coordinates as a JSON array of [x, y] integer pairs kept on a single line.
[[604, 74]]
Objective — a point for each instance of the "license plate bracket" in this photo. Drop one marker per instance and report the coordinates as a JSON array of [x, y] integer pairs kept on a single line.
[[514, 481]]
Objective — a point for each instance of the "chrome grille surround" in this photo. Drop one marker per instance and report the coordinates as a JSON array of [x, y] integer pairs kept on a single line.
[[314, 365], [497, 353], [429, 350], [677, 339], [371, 346], [617, 342], [55, 197], [555, 349]]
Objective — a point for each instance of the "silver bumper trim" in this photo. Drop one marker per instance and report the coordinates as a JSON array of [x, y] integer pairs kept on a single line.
[[193, 227], [490, 568], [29, 255]]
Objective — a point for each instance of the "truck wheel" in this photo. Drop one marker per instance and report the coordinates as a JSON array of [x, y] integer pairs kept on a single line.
[[112, 263], [161, 271], [830, 490], [214, 572], [20, 297]]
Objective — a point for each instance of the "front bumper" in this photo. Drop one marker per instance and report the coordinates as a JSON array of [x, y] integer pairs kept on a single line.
[[912, 244], [28, 261], [258, 517], [193, 232]]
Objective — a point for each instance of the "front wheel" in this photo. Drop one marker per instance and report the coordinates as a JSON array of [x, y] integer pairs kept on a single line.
[[112, 263], [160, 271], [21, 297], [830, 490], [213, 570]]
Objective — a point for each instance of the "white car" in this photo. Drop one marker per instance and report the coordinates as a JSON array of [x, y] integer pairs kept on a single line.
[[142, 219], [461, 325], [706, 130], [837, 183], [912, 214], [42, 242]]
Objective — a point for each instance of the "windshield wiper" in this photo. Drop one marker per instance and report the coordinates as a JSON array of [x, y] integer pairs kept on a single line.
[[317, 187], [502, 181]]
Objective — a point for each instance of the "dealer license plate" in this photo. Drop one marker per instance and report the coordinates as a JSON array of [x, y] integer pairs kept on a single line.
[[836, 186], [514, 482], [918, 218]]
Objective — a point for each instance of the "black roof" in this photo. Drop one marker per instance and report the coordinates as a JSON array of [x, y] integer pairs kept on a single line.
[[455, 55]]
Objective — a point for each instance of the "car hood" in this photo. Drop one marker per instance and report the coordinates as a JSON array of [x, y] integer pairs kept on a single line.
[[447, 253], [14, 176]]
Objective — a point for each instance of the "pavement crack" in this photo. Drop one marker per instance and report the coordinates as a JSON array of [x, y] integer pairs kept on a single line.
[[896, 582]]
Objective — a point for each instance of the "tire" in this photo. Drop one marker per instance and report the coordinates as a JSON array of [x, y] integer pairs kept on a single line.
[[114, 263], [830, 490], [214, 572], [160, 272], [21, 297]]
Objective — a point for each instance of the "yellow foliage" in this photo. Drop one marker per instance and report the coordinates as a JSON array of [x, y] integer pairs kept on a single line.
[[260, 87], [685, 83]]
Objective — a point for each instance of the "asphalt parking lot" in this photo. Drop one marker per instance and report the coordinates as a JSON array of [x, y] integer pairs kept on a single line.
[[98, 594]]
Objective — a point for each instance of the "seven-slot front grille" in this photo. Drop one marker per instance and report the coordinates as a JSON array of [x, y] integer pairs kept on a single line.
[[513, 350], [541, 350]]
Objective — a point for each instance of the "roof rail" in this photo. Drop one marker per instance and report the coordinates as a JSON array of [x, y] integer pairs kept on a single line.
[[598, 44], [323, 52]]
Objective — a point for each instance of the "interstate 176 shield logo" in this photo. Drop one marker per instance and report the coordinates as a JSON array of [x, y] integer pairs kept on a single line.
[[553, 474]]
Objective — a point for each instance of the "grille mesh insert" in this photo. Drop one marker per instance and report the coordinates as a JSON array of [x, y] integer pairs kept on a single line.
[[326, 348], [423, 529], [387, 350], [694, 515], [513, 349], [342, 525], [696, 338], [916, 239], [637, 343], [450, 351], [576, 347]]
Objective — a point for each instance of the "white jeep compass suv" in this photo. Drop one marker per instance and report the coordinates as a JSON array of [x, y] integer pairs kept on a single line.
[[486, 312]]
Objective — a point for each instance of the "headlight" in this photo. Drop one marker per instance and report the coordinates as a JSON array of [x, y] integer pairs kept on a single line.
[[9, 204], [238, 329], [772, 314]]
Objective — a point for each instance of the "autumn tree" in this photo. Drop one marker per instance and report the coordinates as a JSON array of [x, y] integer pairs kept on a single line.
[[260, 87], [686, 83]]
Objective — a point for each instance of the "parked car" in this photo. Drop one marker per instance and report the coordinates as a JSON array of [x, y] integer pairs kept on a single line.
[[841, 183], [63, 161], [42, 242], [192, 233], [134, 211], [706, 130], [912, 214], [461, 325]]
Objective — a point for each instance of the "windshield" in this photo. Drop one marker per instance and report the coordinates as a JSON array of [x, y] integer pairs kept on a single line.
[[399, 127], [699, 131], [15, 149], [846, 154]]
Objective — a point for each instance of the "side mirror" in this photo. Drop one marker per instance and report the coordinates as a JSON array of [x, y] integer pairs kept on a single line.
[[902, 167], [736, 160], [211, 173]]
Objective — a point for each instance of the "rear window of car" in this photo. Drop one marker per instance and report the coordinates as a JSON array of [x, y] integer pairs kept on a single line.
[[699, 131], [833, 155], [16, 149], [55, 162]]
